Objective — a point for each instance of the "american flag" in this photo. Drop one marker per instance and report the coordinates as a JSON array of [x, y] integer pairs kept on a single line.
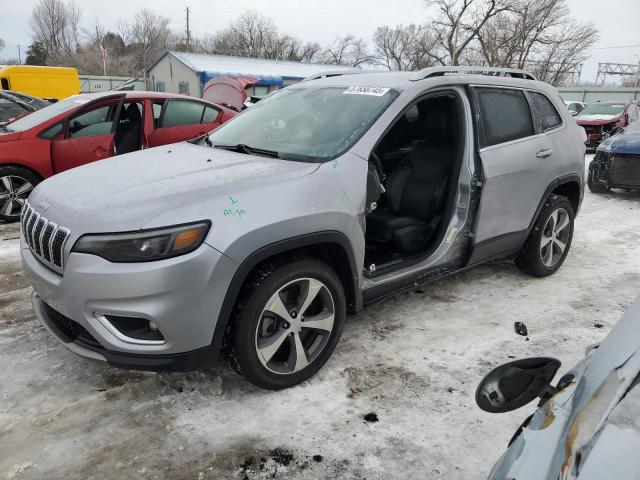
[[104, 52]]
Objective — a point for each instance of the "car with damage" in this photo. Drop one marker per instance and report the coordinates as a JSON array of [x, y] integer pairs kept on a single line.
[[327, 196], [574, 107], [14, 105], [586, 426], [602, 119], [90, 127], [616, 163]]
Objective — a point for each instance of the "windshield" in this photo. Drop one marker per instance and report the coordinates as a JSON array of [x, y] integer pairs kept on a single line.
[[603, 109], [47, 113], [307, 123]]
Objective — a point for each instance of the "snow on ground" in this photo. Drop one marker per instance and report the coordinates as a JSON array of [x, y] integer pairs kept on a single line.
[[412, 363]]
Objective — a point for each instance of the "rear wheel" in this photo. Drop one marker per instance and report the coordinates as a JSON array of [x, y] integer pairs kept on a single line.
[[287, 324], [550, 239], [15, 186]]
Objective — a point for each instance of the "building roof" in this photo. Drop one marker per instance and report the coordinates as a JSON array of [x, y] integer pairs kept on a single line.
[[213, 65]]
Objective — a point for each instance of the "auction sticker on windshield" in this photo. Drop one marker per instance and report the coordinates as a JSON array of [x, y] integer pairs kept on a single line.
[[375, 91]]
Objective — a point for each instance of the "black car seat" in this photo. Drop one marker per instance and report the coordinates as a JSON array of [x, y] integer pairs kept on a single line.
[[416, 189], [129, 131]]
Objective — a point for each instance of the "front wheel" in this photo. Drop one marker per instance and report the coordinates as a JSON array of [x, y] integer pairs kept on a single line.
[[550, 239], [596, 186], [287, 324], [15, 186]]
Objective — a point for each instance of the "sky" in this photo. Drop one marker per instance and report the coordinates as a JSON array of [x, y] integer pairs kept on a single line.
[[322, 20]]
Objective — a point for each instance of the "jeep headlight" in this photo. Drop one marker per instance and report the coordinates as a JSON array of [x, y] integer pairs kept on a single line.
[[146, 245]]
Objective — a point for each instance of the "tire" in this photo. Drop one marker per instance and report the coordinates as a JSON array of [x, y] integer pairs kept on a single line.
[[542, 253], [263, 338], [596, 187], [15, 186]]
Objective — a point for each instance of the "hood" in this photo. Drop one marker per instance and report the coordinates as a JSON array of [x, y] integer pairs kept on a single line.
[[596, 119], [128, 192], [625, 143]]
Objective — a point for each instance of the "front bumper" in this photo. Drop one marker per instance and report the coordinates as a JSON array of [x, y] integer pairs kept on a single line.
[[182, 296], [615, 170]]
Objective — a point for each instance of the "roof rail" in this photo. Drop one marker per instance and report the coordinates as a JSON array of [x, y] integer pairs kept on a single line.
[[495, 71], [333, 73]]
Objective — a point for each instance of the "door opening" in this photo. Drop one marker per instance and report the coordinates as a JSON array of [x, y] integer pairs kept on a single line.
[[410, 199]]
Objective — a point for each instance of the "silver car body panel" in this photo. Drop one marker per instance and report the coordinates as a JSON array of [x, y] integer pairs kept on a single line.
[[255, 201], [571, 436]]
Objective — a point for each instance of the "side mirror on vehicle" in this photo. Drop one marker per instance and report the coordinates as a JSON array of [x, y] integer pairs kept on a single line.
[[514, 384]]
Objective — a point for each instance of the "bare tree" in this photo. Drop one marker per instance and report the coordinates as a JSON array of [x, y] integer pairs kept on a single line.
[[2, 44], [459, 22], [148, 37], [539, 35], [254, 35], [409, 47], [563, 51], [286, 47], [509, 39], [250, 35], [347, 50], [55, 26]]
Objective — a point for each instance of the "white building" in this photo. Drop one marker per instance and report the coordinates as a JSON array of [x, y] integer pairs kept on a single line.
[[187, 73]]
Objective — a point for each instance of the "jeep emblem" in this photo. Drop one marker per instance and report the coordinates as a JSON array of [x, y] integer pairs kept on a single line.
[[44, 205]]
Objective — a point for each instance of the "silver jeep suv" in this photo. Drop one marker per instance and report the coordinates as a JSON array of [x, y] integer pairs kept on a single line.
[[258, 239]]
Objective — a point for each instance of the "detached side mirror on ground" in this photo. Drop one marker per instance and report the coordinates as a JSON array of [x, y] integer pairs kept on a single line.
[[514, 384]]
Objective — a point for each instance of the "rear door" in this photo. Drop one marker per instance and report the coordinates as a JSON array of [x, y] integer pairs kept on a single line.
[[550, 123], [182, 119], [88, 135], [515, 158]]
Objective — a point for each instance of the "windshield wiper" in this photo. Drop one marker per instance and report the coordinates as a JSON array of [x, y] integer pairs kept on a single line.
[[243, 148]]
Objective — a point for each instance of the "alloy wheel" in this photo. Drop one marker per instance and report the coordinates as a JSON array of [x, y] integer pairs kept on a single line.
[[14, 190], [555, 237], [295, 326]]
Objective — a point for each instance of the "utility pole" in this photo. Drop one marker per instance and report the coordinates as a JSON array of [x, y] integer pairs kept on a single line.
[[188, 33], [103, 52], [19, 56]]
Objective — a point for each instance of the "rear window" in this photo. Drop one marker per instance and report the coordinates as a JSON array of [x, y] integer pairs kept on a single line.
[[182, 112], [547, 114], [505, 115], [210, 115]]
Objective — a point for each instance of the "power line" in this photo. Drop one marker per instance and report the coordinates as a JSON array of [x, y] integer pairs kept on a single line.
[[617, 46]]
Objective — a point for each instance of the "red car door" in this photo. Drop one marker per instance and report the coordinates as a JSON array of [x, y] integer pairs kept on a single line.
[[89, 135], [183, 120]]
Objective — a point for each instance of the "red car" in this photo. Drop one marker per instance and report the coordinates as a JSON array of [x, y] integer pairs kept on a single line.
[[85, 128], [601, 119]]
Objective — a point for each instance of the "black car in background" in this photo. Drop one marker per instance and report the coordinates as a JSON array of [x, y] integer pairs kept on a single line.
[[14, 105]]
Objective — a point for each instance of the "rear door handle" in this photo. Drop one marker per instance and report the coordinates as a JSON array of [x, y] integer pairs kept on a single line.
[[547, 152]]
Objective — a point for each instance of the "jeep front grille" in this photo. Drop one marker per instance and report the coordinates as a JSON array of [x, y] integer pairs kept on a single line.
[[45, 239]]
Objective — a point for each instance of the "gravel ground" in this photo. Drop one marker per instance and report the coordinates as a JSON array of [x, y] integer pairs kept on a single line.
[[394, 401]]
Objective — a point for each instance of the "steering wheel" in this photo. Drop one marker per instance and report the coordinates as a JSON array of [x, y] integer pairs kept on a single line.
[[378, 164]]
